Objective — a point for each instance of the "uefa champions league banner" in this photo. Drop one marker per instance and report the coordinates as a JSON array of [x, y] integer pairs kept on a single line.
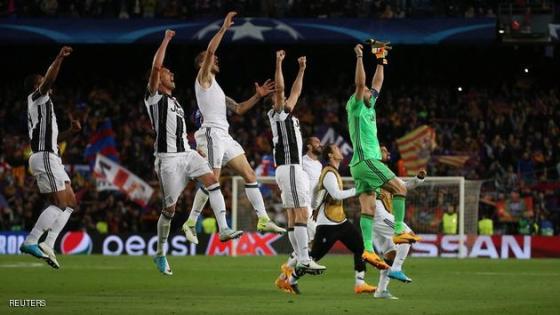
[[257, 244], [249, 30]]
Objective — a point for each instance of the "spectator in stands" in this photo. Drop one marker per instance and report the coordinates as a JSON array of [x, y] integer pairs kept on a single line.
[[515, 205], [546, 227], [449, 221], [387, 12], [486, 226], [525, 168]]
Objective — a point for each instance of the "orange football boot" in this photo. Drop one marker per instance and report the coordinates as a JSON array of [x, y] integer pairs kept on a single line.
[[374, 260], [364, 288], [406, 238]]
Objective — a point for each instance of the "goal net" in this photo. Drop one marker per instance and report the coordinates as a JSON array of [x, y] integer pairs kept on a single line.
[[425, 206]]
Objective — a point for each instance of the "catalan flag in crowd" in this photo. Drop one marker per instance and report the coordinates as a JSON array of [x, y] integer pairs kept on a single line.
[[453, 160], [416, 148]]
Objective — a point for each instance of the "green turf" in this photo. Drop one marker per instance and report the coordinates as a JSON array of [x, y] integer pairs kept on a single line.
[[244, 285]]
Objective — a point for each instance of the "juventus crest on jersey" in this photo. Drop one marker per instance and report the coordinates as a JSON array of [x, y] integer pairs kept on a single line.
[[286, 137], [168, 121], [41, 123]]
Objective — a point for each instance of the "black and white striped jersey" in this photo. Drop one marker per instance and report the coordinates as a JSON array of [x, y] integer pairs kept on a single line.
[[168, 121], [286, 137], [41, 123]]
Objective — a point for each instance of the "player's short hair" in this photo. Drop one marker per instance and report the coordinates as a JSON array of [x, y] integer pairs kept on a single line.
[[198, 59], [30, 81], [327, 149]]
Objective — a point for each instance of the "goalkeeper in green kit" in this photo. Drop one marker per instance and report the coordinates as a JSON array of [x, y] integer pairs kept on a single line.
[[368, 172]]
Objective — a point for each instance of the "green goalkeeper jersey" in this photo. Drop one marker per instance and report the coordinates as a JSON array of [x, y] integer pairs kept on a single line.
[[363, 129]]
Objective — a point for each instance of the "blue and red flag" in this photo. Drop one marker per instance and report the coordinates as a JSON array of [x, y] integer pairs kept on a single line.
[[102, 141]]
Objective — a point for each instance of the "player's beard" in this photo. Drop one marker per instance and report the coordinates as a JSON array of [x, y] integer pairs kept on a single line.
[[317, 151]]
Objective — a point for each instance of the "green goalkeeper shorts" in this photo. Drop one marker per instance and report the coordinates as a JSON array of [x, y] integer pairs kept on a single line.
[[370, 175]]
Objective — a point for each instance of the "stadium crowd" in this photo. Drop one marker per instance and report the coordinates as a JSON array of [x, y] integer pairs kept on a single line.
[[506, 121], [511, 134], [125, 9]]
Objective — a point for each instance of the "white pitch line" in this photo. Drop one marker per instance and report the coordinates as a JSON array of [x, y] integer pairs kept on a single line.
[[22, 265]]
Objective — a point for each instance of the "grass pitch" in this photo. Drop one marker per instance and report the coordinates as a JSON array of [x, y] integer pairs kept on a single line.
[[245, 285]]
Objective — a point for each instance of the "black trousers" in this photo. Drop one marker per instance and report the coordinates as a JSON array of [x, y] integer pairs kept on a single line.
[[347, 233]]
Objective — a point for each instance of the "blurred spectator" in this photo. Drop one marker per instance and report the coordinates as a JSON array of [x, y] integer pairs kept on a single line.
[[525, 167], [388, 12], [526, 224], [209, 225], [486, 226], [386, 9], [450, 221], [515, 206], [546, 227]]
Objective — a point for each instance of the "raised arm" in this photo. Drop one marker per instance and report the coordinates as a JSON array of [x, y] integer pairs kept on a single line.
[[279, 81], [260, 91], [297, 86], [331, 185], [380, 55], [377, 80], [360, 76], [204, 76], [52, 72], [157, 63]]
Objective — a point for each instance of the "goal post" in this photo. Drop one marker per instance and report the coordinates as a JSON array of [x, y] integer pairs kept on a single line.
[[425, 206]]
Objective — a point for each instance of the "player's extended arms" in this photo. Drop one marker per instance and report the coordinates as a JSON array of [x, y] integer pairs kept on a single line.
[[360, 76], [279, 79], [377, 80], [260, 91], [157, 63], [297, 86], [330, 183], [204, 74], [52, 72], [75, 127]]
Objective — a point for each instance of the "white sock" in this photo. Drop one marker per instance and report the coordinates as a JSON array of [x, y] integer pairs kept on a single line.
[[402, 252], [293, 242], [300, 233], [44, 222], [218, 205], [255, 198], [163, 227], [293, 278], [383, 280], [360, 277], [57, 226], [311, 227], [200, 199], [292, 261]]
